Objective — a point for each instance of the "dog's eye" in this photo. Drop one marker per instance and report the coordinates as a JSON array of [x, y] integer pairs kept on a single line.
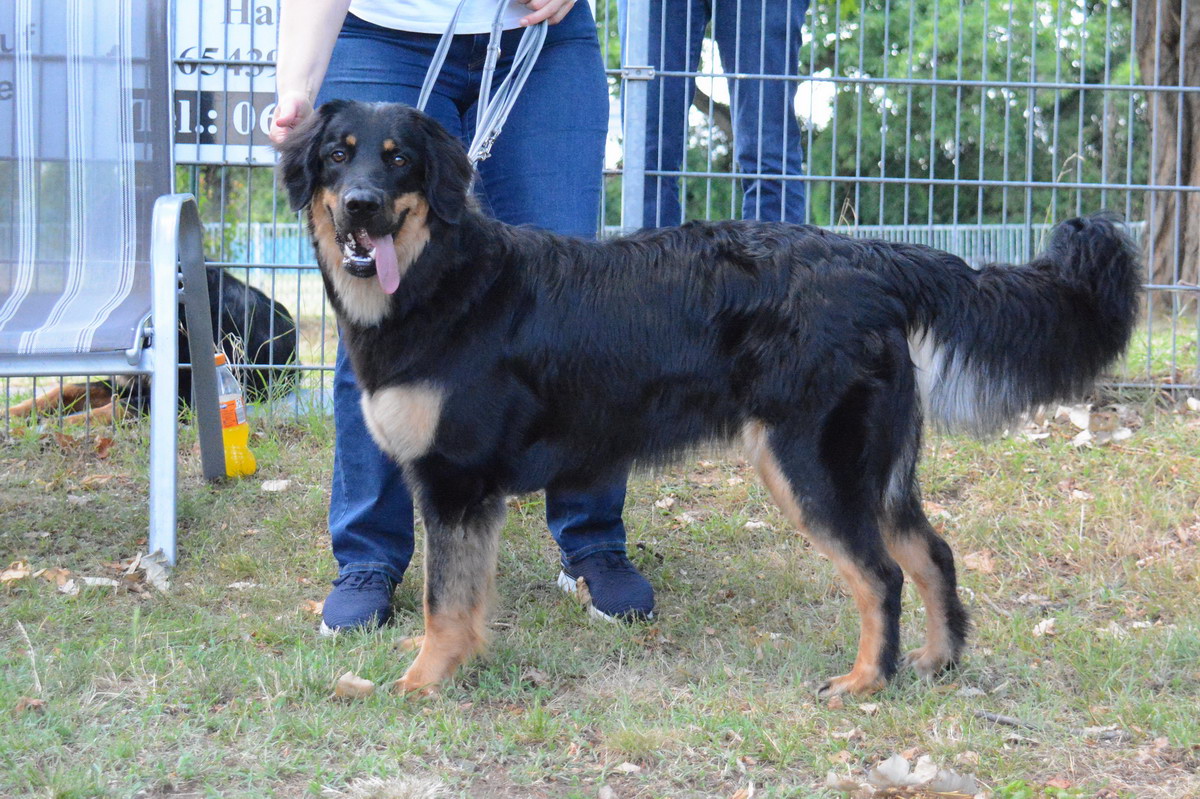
[[399, 160], [337, 156]]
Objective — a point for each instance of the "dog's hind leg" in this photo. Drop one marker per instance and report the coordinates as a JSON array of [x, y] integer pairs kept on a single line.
[[61, 399], [928, 560], [112, 411], [460, 566], [840, 522]]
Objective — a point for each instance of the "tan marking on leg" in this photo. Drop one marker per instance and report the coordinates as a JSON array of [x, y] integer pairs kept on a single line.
[[450, 639], [403, 420], [43, 403], [103, 415], [912, 553], [361, 298], [758, 452], [465, 583], [61, 399], [389, 145], [865, 676]]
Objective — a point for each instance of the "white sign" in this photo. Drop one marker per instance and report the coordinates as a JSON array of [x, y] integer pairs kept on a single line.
[[224, 80]]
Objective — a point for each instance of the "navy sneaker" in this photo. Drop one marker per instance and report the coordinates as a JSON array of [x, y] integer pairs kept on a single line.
[[618, 590], [358, 600]]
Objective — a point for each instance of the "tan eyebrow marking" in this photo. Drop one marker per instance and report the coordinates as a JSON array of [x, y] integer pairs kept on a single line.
[[351, 139], [389, 145]]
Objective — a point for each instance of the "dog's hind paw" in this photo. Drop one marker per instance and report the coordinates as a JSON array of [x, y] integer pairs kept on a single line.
[[928, 661], [412, 644], [858, 681]]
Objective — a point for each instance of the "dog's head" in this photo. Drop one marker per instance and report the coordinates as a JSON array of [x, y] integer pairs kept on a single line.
[[370, 175]]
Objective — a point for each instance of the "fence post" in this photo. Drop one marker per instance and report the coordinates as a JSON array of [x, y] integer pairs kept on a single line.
[[635, 52]]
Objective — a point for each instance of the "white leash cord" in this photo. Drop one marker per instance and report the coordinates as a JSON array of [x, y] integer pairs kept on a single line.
[[493, 109]]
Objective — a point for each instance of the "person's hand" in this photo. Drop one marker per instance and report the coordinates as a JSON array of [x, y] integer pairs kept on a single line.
[[290, 111], [551, 10]]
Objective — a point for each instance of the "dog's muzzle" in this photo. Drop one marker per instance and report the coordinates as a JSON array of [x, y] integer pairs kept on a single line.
[[364, 255], [358, 253]]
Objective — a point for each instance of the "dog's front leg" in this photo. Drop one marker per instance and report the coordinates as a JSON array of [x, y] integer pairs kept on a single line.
[[460, 567]]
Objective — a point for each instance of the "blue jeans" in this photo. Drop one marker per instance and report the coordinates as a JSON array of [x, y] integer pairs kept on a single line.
[[545, 170], [753, 36]]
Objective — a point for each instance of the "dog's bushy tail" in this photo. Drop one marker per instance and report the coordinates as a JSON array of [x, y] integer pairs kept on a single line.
[[992, 343]]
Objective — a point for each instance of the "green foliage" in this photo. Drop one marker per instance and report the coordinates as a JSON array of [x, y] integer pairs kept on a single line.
[[1020, 789], [973, 132]]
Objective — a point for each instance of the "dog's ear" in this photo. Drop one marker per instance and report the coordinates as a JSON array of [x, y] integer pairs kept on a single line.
[[448, 172], [300, 155]]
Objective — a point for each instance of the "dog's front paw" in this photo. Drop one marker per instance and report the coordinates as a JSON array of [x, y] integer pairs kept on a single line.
[[416, 683]]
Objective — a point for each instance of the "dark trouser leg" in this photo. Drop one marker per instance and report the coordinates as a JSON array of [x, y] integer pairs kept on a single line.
[[763, 37]]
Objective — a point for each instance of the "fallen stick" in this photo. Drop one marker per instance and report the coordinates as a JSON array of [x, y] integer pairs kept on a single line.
[[1097, 733]]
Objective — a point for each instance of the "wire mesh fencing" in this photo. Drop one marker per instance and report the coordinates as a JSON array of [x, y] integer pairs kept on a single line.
[[972, 127]]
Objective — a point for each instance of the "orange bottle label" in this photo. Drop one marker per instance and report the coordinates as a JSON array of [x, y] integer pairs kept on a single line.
[[232, 412]]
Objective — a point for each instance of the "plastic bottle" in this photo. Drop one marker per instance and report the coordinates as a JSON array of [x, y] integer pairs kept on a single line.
[[239, 460]]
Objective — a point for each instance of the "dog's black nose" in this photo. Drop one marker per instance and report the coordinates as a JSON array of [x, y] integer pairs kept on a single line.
[[362, 202]]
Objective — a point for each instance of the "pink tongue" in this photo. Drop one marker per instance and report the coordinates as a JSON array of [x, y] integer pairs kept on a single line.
[[386, 267]]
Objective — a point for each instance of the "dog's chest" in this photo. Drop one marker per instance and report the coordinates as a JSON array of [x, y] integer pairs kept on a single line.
[[403, 419]]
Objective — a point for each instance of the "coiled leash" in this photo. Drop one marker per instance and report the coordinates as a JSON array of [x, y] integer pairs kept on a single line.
[[492, 110]]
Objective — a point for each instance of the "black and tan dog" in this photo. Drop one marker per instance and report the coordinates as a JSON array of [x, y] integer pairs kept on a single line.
[[252, 330], [496, 360]]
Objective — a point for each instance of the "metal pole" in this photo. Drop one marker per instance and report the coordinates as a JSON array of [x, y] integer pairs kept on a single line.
[[635, 53]]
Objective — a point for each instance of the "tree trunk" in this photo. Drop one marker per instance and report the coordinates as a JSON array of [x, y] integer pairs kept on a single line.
[[1167, 31]]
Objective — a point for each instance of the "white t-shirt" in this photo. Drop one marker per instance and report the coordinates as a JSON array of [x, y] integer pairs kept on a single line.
[[433, 16]]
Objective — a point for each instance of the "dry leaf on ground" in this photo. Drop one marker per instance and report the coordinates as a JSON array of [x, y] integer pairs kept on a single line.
[[55, 574], [17, 570], [981, 562], [351, 686], [895, 776], [154, 566], [389, 788], [582, 592], [1044, 627], [534, 676]]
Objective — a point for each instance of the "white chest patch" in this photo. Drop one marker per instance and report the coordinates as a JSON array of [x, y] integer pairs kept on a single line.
[[403, 420]]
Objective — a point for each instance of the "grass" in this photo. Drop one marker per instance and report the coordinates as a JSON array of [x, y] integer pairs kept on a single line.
[[213, 690]]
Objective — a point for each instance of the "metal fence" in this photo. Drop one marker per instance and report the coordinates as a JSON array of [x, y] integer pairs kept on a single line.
[[967, 126]]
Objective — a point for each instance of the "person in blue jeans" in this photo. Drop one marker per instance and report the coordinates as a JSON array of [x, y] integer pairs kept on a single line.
[[756, 37], [545, 170]]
